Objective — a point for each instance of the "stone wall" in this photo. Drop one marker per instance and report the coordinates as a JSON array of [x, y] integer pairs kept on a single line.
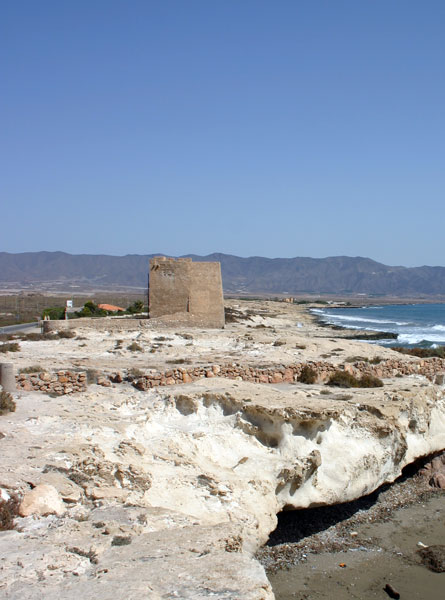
[[67, 382], [182, 287], [61, 382], [430, 368], [98, 324]]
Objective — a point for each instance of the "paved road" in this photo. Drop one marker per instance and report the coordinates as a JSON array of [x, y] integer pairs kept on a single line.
[[28, 327]]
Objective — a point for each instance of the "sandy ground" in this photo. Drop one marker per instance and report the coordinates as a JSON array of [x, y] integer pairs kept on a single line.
[[385, 552]]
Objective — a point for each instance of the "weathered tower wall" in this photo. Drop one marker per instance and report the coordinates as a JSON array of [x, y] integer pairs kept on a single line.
[[192, 289]]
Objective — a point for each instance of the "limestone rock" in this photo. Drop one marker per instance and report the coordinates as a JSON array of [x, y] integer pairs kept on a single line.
[[68, 490], [194, 476], [43, 500]]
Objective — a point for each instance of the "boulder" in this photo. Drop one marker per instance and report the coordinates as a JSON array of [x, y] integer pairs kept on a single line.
[[43, 500]]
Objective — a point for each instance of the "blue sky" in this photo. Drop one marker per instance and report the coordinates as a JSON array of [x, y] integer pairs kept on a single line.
[[280, 128]]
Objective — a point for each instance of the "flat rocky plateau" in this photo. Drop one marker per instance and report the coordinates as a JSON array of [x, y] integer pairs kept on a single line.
[[171, 492]]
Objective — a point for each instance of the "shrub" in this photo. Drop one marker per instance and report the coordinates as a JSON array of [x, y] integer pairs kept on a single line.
[[92, 376], [9, 509], [31, 369], [10, 347], [342, 379], [90, 309], [369, 381], [376, 360], [56, 313], [66, 334], [134, 347], [438, 352], [346, 380], [6, 337], [307, 375], [136, 307], [33, 337], [7, 403], [353, 359], [134, 372], [177, 361]]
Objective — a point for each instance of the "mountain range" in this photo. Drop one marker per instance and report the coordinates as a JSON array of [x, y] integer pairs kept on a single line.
[[254, 275]]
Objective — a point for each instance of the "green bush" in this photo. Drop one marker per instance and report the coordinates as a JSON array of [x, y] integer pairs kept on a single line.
[[307, 375], [136, 307], [90, 309], [7, 403], [56, 313]]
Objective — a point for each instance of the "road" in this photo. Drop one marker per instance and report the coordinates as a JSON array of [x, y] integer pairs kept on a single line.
[[28, 327]]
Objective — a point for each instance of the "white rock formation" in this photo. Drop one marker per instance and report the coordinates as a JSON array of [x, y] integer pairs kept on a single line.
[[169, 492]]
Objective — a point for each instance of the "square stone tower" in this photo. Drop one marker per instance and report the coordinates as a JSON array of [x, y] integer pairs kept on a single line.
[[190, 290]]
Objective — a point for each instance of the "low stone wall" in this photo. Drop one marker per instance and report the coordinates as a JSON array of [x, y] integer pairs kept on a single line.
[[61, 382], [99, 324], [127, 323], [68, 382], [288, 373], [429, 367]]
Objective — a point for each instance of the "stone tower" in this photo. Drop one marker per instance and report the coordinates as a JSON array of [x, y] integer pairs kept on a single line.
[[190, 290]]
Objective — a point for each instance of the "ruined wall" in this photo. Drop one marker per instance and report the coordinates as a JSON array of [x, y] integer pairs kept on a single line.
[[59, 383], [182, 286], [68, 382]]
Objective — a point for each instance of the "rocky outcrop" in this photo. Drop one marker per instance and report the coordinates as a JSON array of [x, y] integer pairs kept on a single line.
[[168, 493], [434, 471]]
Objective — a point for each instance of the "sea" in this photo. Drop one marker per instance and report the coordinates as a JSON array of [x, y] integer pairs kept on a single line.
[[416, 325]]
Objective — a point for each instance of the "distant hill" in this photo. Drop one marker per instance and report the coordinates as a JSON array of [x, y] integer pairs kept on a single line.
[[335, 275]]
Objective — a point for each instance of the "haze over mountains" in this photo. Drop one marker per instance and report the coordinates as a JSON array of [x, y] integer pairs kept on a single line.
[[334, 275]]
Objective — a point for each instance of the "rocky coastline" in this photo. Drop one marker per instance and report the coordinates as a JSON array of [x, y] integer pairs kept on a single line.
[[170, 466]]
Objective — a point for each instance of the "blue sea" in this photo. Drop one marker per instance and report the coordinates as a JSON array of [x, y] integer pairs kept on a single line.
[[415, 324]]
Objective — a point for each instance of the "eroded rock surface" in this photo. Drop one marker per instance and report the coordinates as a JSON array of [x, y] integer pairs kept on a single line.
[[169, 492]]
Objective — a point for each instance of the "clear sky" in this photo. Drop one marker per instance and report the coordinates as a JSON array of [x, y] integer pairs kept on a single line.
[[276, 128]]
